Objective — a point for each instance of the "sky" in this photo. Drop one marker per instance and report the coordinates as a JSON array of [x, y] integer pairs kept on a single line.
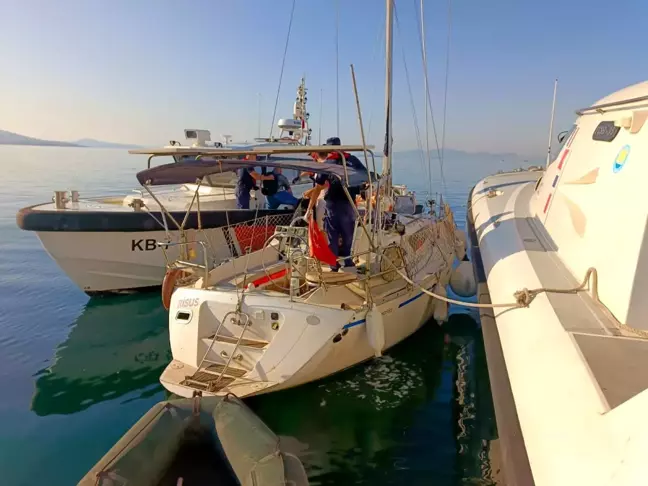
[[140, 71]]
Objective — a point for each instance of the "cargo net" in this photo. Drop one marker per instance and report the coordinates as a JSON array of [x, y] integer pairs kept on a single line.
[[419, 248], [249, 236]]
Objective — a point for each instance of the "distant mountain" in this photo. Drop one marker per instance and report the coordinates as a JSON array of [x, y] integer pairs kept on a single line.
[[10, 138], [90, 142]]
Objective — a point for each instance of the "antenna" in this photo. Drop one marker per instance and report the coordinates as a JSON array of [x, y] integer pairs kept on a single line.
[[553, 111], [259, 115], [319, 135]]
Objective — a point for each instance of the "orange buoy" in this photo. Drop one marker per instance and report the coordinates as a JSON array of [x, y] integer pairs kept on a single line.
[[169, 284]]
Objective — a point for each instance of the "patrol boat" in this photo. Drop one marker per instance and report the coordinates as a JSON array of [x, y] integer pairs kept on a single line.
[[275, 318], [563, 254], [108, 244]]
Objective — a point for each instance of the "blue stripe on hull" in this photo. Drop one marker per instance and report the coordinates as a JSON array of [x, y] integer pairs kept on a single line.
[[402, 304]]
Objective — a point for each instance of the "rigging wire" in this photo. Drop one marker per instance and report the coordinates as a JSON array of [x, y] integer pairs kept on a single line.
[[337, 67], [283, 63], [429, 105], [427, 92], [417, 131], [445, 90]]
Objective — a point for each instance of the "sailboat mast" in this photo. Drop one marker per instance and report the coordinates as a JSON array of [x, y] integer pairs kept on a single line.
[[387, 162]]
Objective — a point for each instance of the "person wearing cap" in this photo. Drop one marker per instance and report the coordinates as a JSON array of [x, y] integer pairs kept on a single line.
[[247, 179], [340, 215], [351, 160]]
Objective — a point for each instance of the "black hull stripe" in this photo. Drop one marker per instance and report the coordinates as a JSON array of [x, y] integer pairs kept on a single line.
[[31, 219]]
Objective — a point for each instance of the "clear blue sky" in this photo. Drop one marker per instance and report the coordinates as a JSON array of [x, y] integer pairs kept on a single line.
[[142, 70]]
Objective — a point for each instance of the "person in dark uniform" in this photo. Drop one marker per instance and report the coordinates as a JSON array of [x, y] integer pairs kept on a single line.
[[247, 179], [351, 160], [277, 190], [340, 215]]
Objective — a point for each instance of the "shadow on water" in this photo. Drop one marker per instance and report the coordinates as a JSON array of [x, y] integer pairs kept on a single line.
[[117, 345], [415, 416]]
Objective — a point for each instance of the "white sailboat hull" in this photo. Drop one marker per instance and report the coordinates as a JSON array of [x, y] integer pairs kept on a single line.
[[291, 342], [319, 355]]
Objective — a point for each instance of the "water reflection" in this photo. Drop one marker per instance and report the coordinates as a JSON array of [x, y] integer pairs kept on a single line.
[[473, 414], [117, 345]]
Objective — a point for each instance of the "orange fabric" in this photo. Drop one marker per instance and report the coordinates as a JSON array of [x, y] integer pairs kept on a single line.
[[318, 246]]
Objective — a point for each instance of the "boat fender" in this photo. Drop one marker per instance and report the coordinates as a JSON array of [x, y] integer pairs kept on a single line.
[[169, 284], [375, 331], [460, 244], [462, 280], [440, 306]]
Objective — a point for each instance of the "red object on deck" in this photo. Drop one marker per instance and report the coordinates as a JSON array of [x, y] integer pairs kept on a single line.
[[268, 278], [318, 245], [252, 238]]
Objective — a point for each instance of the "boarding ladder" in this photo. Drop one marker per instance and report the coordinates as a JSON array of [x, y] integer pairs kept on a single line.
[[212, 376]]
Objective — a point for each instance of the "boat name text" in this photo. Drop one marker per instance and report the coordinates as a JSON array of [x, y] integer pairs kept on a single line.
[[193, 302], [148, 244]]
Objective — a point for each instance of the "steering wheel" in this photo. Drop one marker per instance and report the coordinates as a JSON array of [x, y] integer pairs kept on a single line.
[[298, 247]]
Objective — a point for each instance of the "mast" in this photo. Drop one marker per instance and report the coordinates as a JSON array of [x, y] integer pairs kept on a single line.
[[387, 163], [553, 110]]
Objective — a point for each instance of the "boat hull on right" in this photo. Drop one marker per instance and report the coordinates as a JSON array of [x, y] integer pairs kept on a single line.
[[569, 368]]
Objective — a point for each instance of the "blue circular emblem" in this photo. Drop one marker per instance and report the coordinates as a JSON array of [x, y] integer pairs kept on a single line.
[[621, 159]]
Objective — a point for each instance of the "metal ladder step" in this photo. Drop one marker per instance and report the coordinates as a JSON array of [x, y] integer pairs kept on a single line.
[[207, 382], [250, 343], [217, 368]]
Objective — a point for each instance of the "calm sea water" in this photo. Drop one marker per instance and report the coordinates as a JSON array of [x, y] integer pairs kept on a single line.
[[76, 373]]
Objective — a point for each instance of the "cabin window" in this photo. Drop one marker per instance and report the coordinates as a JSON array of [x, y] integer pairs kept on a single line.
[[606, 131]]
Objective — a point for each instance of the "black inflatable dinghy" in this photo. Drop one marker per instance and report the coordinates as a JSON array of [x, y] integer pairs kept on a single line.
[[198, 442]]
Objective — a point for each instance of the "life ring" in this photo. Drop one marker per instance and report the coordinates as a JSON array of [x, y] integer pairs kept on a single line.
[[169, 284]]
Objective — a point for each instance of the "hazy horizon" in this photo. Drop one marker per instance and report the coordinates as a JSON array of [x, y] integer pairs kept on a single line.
[[139, 73]]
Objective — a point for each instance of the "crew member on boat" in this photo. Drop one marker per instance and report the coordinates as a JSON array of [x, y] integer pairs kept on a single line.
[[247, 179], [340, 215], [277, 190]]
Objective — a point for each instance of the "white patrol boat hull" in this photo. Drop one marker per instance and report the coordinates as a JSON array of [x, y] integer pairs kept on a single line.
[[105, 246], [569, 373]]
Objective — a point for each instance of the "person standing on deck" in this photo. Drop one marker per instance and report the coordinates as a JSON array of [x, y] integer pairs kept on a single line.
[[340, 215], [277, 190], [247, 179]]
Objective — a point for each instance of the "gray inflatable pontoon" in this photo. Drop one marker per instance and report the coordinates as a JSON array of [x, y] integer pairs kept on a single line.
[[198, 441]]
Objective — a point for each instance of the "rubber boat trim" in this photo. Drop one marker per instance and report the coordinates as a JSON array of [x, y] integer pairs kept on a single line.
[[516, 467]]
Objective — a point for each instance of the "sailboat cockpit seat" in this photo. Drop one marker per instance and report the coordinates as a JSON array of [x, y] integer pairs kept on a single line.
[[330, 278]]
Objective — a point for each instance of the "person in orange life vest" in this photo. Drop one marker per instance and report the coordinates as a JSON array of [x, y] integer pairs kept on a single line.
[[247, 178]]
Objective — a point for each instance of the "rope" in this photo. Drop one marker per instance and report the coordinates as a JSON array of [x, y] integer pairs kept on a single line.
[[283, 63], [523, 298]]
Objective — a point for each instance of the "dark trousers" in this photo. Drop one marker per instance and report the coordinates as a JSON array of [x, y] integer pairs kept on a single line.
[[243, 200], [339, 223]]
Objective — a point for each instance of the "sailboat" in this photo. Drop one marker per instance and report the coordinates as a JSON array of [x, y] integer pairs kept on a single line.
[[108, 244], [274, 318]]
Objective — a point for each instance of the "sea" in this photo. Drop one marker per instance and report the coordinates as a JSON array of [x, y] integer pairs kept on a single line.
[[77, 372]]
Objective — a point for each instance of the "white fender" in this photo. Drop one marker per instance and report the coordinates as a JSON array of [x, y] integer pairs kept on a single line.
[[440, 306], [375, 331], [462, 280]]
